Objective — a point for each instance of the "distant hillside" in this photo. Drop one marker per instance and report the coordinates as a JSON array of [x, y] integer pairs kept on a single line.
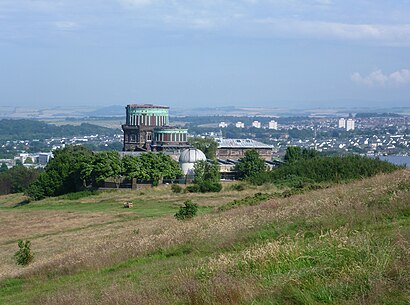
[[31, 129], [115, 110]]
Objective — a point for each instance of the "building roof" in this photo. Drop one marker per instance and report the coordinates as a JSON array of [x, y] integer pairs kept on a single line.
[[241, 143], [167, 127], [147, 106]]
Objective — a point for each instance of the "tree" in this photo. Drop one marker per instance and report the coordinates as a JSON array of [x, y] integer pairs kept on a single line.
[[24, 255], [63, 174], [294, 153], [206, 171], [105, 165], [207, 177], [28, 160], [207, 145], [251, 164], [4, 168], [151, 167], [17, 179], [132, 168]]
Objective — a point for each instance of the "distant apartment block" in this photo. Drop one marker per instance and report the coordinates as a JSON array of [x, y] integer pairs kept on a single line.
[[349, 124], [273, 125], [223, 125], [342, 123], [239, 125], [256, 124]]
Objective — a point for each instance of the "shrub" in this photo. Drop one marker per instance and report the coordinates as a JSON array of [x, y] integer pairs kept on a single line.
[[176, 188], [209, 186], [189, 210], [23, 256], [193, 188], [260, 178], [250, 165]]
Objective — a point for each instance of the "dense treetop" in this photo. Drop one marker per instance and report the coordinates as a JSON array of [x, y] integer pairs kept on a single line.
[[207, 145], [76, 168]]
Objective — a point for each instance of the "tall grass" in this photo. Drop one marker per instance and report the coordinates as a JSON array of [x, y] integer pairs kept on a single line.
[[348, 244]]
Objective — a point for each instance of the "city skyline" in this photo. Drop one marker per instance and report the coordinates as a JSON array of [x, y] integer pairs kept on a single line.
[[317, 53]]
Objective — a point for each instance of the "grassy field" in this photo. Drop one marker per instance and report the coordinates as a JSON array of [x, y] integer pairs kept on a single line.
[[347, 244]]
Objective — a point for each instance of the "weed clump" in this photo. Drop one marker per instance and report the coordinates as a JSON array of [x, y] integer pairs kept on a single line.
[[237, 187], [24, 255], [188, 210], [176, 188]]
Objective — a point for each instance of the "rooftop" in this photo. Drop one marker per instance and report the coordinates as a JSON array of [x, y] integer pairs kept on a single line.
[[146, 106], [242, 143]]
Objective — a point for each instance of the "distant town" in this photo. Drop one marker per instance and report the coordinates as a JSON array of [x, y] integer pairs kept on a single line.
[[364, 133]]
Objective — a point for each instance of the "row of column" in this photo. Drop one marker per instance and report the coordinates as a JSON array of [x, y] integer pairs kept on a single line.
[[146, 120], [174, 137]]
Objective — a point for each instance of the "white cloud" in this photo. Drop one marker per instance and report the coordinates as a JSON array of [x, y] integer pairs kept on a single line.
[[378, 78], [387, 34]]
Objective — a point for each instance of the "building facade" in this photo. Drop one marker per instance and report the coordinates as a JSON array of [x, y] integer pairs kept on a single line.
[[273, 125], [239, 125], [342, 123], [234, 149], [256, 124], [349, 124]]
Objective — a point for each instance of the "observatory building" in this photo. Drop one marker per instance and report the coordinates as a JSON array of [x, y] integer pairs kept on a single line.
[[147, 129], [188, 158]]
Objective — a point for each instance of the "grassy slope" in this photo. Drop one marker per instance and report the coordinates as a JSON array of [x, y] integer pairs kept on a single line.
[[348, 244]]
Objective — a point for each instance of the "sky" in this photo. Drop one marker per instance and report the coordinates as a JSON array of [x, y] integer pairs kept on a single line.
[[205, 53]]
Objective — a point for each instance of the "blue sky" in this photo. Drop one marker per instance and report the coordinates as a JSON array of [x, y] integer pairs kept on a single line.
[[276, 53]]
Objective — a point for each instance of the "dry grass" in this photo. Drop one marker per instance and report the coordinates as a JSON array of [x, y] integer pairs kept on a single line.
[[92, 241], [111, 229]]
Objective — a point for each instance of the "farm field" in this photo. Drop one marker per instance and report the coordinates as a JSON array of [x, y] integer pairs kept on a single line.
[[347, 244]]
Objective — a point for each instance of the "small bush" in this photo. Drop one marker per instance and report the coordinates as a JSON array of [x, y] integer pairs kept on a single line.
[[176, 188], [23, 256], [189, 210], [209, 186], [193, 188]]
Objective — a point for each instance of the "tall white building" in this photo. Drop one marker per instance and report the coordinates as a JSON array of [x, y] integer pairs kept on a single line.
[[349, 124], [256, 124], [273, 125], [239, 125], [342, 123], [223, 125]]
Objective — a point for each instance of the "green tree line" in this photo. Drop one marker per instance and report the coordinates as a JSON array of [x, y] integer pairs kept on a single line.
[[31, 129], [17, 179], [306, 165], [75, 168]]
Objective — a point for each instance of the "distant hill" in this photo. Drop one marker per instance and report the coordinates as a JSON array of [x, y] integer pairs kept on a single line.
[[32, 129], [115, 110]]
